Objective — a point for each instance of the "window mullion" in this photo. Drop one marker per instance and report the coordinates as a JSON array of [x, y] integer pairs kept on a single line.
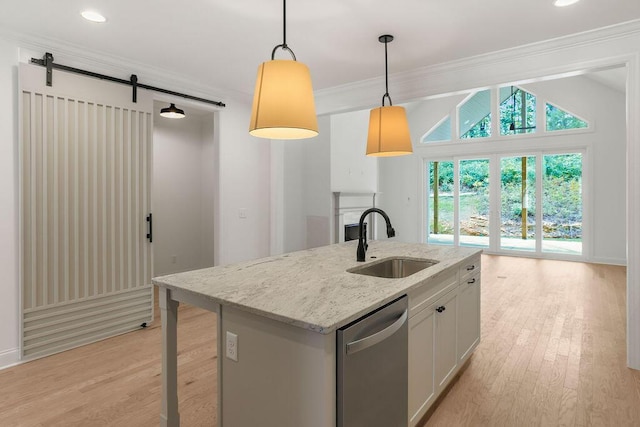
[[539, 180]]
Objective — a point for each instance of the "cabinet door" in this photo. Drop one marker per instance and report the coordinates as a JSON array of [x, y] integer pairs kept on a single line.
[[446, 357], [468, 316], [421, 385]]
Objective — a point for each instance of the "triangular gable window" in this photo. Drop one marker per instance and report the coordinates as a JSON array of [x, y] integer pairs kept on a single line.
[[558, 119], [475, 116], [517, 111], [441, 132]]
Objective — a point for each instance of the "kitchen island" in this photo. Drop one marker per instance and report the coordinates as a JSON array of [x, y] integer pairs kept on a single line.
[[277, 317]]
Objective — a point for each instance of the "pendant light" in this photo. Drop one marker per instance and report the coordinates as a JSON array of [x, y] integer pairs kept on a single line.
[[388, 126], [283, 105], [172, 112]]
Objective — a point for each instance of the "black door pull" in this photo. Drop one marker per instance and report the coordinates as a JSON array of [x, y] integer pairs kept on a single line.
[[150, 233]]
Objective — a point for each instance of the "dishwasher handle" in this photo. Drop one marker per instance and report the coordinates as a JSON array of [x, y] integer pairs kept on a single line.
[[366, 342]]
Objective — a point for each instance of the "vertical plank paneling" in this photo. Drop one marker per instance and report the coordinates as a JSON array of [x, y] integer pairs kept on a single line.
[[75, 219], [29, 201], [34, 203], [84, 196], [55, 201], [85, 200], [94, 214], [103, 201], [128, 167], [66, 201], [121, 206], [112, 198], [145, 205], [43, 262], [137, 211]]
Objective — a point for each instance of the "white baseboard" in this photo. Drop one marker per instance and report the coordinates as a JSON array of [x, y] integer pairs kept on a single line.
[[611, 261], [9, 358]]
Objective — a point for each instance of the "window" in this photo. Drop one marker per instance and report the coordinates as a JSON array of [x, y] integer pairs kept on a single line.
[[441, 132], [558, 119], [538, 198], [473, 205], [517, 111], [440, 203], [562, 203], [518, 203], [475, 116]]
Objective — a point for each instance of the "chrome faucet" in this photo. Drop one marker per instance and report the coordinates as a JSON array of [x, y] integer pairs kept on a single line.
[[362, 238]]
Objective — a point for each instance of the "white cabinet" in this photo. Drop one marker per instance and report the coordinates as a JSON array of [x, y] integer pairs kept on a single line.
[[421, 379], [468, 308], [469, 316], [444, 329], [446, 320]]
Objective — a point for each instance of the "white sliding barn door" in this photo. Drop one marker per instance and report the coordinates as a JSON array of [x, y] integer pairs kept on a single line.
[[85, 176]]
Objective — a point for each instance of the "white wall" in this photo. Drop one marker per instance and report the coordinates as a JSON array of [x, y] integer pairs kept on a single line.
[[301, 191], [183, 182], [351, 170], [317, 190], [244, 184], [9, 303], [208, 180]]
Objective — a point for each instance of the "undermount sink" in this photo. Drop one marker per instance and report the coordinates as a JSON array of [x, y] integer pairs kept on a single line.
[[394, 268]]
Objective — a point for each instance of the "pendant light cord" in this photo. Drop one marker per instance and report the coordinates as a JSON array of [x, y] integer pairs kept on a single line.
[[284, 24], [386, 75], [284, 34]]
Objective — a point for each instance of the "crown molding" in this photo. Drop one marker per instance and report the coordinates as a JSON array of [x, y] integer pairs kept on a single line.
[[435, 80], [76, 56]]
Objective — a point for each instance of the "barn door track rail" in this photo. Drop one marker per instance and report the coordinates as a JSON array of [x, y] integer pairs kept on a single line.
[[47, 61]]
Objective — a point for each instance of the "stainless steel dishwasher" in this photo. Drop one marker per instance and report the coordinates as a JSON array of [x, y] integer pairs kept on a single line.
[[372, 369]]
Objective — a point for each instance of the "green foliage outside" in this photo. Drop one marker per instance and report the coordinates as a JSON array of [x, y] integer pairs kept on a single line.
[[561, 202], [511, 112], [482, 129], [558, 119]]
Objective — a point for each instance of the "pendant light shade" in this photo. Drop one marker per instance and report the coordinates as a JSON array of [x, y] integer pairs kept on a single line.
[[172, 112], [388, 132], [388, 125], [283, 105]]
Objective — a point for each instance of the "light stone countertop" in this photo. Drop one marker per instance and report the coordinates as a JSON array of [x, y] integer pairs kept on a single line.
[[311, 289]]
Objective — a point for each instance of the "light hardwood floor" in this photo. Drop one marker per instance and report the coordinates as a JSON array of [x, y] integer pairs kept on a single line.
[[552, 353]]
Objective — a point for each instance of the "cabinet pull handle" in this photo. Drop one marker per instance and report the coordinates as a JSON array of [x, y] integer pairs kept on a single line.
[[441, 309], [471, 281], [471, 267]]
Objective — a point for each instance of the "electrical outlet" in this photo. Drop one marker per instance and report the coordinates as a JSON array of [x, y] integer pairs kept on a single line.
[[232, 346], [174, 259], [242, 213]]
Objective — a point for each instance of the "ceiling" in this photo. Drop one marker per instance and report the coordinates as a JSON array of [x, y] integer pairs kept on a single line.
[[219, 44]]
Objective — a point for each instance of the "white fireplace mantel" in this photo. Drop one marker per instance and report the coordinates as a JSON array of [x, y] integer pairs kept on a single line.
[[349, 206]]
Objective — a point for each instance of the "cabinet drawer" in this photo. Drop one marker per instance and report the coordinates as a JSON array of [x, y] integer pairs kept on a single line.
[[469, 268], [473, 279], [425, 294]]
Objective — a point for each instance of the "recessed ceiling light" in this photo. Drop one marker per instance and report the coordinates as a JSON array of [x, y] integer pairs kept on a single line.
[[93, 16], [563, 3]]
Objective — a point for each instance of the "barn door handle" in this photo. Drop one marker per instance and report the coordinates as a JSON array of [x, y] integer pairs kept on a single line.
[[150, 233]]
